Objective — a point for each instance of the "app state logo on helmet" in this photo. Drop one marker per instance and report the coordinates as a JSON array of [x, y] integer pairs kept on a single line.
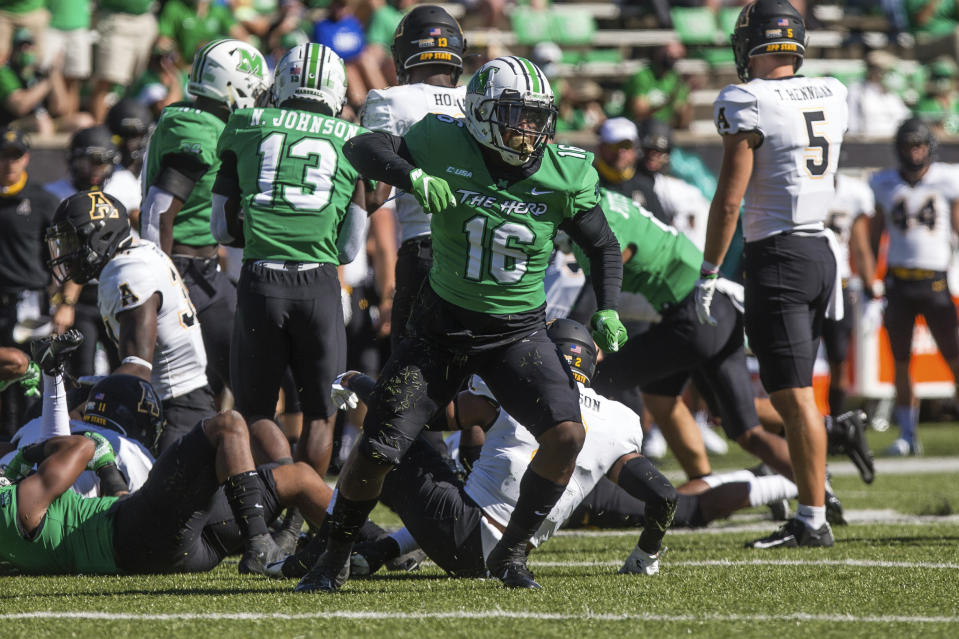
[[428, 35], [768, 27], [88, 229], [127, 404]]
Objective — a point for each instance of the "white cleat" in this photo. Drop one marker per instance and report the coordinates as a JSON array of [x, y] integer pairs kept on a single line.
[[654, 444], [640, 562]]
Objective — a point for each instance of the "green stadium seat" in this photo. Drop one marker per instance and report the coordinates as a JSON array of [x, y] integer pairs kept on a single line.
[[727, 20], [695, 25], [562, 26]]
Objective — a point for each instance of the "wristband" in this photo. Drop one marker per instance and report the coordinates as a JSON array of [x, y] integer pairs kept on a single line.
[[708, 269], [133, 359]]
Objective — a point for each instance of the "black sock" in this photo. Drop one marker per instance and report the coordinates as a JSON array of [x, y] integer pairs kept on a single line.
[[837, 398], [347, 518], [642, 480], [537, 496], [371, 532], [243, 493]]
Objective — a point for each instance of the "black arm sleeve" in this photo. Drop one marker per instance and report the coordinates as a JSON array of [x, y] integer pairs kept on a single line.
[[590, 230], [381, 156], [178, 173]]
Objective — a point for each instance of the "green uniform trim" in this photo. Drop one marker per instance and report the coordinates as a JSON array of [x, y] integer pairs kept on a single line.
[[76, 536], [665, 264], [491, 249], [295, 182]]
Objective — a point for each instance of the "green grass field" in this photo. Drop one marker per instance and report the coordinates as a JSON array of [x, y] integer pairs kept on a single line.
[[894, 571]]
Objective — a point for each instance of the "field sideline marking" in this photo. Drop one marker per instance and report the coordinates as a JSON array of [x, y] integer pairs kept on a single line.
[[860, 563], [466, 614]]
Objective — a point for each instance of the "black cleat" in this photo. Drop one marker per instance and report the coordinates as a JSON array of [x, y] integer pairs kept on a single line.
[[510, 568], [368, 557], [260, 552], [834, 512], [331, 571], [794, 533], [288, 534], [50, 352], [779, 510], [848, 436]]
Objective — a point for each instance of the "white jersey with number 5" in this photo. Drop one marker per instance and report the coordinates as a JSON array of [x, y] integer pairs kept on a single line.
[[395, 110], [918, 216], [802, 121], [128, 281], [612, 430]]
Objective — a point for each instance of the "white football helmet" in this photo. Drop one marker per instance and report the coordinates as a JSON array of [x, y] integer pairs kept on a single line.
[[510, 109], [311, 72], [229, 71]]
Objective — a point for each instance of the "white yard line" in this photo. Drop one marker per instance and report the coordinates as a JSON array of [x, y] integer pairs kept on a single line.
[[471, 614], [756, 522], [727, 563], [887, 466]]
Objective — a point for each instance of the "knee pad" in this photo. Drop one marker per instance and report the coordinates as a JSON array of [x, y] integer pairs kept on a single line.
[[385, 446]]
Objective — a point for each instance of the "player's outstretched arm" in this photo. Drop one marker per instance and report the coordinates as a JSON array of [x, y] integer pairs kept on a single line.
[[61, 460], [381, 156]]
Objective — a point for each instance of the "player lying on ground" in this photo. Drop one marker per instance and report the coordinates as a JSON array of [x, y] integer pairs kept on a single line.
[[202, 501], [115, 400]]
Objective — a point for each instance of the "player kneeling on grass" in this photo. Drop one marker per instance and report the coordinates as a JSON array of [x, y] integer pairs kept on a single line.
[[202, 501], [459, 524]]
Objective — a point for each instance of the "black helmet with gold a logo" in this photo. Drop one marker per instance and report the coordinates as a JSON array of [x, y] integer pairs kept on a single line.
[[88, 229]]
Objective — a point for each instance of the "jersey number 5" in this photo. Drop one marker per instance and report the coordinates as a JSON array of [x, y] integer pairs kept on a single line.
[[507, 264], [317, 174], [817, 143]]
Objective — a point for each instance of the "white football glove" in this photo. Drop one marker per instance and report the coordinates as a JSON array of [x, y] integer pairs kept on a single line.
[[705, 289], [343, 398]]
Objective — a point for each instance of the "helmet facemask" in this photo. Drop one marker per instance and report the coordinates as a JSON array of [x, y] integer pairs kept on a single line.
[[67, 255], [520, 126]]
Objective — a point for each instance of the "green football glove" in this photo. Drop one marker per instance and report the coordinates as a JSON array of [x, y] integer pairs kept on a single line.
[[29, 381], [433, 193], [607, 330], [103, 455], [18, 467]]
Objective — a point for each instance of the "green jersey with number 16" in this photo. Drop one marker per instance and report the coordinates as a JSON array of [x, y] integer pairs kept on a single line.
[[295, 182], [665, 263], [491, 249]]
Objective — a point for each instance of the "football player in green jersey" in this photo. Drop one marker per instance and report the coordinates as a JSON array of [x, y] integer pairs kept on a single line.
[[284, 175], [196, 507], [180, 166], [498, 192], [663, 265]]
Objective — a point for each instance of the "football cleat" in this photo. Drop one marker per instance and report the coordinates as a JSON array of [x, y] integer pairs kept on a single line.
[[50, 352], [834, 511], [779, 510], [407, 562], [510, 568], [288, 534], [903, 448], [331, 572], [793, 534], [848, 436], [641, 562], [261, 552]]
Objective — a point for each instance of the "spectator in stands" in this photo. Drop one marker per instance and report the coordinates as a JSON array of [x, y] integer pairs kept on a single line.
[[31, 95], [343, 32], [163, 82], [940, 105], [127, 29], [27, 14], [874, 110], [659, 91], [68, 40], [616, 156], [288, 29], [376, 61], [188, 24], [683, 205]]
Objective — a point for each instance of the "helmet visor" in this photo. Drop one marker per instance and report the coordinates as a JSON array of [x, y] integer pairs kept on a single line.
[[63, 245], [524, 127]]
